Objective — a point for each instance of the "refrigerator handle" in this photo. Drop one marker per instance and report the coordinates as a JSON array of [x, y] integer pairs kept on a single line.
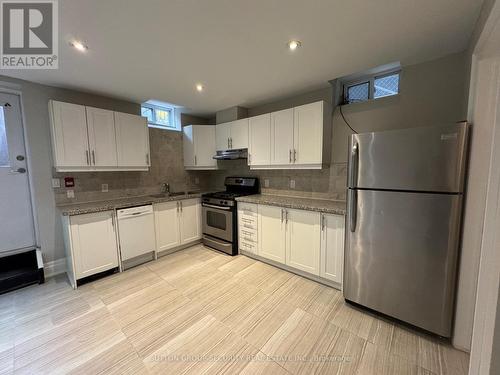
[[354, 165], [353, 210]]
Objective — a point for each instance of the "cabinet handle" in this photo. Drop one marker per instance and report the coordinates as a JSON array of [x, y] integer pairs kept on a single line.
[[228, 143], [177, 204], [231, 141], [180, 203], [323, 218], [147, 159], [281, 215], [93, 157], [294, 155], [195, 163], [249, 158], [87, 156], [113, 222], [290, 156], [286, 217]]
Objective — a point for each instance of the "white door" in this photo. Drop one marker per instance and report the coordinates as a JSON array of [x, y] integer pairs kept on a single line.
[[69, 134], [16, 215], [167, 217], [282, 137], [188, 146], [132, 140], [204, 141], [259, 140], [93, 241], [190, 220], [303, 240], [272, 239], [238, 137], [308, 133], [102, 138], [332, 247], [222, 134]]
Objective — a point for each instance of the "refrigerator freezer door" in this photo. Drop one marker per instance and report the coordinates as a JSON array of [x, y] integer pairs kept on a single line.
[[401, 255], [428, 159]]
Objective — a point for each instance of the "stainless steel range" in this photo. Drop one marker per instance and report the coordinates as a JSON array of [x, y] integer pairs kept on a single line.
[[220, 223]]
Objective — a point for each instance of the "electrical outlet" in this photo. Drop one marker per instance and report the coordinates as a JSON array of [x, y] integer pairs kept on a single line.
[[56, 183], [70, 193], [104, 188], [292, 184], [266, 182]]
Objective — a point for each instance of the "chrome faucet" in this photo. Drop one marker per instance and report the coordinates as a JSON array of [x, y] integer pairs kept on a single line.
[[165, 188]]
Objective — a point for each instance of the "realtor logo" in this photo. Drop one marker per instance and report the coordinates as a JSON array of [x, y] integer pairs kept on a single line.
[[29, 34]]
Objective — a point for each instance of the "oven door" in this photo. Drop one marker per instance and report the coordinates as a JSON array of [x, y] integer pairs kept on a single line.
[[218, 222]]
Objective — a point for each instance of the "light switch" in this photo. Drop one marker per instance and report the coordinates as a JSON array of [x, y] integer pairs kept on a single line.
[[266, 182], [56, 183], [292, 184], [104, 188], [70, 193]]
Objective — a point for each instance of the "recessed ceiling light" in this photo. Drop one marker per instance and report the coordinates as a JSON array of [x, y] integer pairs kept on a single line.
[[199, 87], [79, 46], [294, 44]]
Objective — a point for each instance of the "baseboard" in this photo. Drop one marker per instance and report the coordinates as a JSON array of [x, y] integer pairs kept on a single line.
[[56, 267]]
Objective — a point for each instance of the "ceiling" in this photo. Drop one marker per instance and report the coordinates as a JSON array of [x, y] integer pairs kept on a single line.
[[159, 49]]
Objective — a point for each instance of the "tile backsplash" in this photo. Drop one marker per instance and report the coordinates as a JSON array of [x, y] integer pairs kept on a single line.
[[167, 167]]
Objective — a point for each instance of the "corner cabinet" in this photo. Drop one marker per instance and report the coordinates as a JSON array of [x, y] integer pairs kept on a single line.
[[177, 223], [94, 139], [91, 244], [198, 144]]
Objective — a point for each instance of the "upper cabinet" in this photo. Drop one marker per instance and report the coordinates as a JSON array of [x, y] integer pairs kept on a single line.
[[199, 147], [298, 138], [94, 139], [132, 141], [232, 135]]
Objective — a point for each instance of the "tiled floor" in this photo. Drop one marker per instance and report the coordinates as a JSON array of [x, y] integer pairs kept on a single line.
[[198, 311]]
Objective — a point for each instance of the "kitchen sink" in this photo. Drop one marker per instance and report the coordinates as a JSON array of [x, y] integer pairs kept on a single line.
[[166, 195]]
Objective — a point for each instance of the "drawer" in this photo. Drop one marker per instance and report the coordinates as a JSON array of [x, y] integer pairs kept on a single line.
[[247, 232], [248, 246], [247, 225]]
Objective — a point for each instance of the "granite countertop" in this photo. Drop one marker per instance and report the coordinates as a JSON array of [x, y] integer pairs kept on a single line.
[[313, 204], [113, 204]]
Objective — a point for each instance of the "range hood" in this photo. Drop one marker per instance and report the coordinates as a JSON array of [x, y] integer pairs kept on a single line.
[[241, 153]]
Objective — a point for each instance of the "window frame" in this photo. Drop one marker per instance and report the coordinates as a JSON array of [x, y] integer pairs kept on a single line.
[[154, 124], [370, 79]]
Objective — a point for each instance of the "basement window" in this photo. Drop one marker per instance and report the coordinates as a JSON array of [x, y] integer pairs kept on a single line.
[[158, 116], [372, 86]]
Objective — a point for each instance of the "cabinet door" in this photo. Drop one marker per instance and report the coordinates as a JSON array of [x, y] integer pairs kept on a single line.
[[69, 135], [93, 242], [132, 140], [167, 217], [282, 137], [190, 220], [308, 133], [102, 138], [303, 240], [332, 247], [271, 235], [259, 140], [204, 141], [188, 146], [239, 134], [222, 134]]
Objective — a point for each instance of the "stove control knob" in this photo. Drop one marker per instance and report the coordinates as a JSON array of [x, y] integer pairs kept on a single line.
[[221, 202]]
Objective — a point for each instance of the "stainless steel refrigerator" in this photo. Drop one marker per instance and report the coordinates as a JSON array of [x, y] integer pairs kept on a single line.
[[405, 193]]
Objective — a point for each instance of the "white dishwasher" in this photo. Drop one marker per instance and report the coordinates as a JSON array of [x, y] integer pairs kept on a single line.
[[136, 229]]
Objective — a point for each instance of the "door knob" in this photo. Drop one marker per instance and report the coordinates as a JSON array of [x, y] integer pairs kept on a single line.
[[21, 170], [20, 157]]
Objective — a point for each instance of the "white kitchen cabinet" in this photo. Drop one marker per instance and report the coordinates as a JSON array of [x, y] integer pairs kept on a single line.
[[222, 135], [272, 233], [282, 137], [303, 240], [332, 247], [167, 225], [199, 147], [91, 245], [232, 135], [259, 140], [177, 223], [190, 220], [70, 141], [102, 137], [238, 137], [308, 134], [132, 141], [248, 227]]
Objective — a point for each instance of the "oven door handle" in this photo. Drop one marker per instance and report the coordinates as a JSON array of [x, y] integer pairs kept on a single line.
[[216, 207]]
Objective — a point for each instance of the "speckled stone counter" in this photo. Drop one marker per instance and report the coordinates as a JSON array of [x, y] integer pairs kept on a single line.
[[319, 205], [113, 204]]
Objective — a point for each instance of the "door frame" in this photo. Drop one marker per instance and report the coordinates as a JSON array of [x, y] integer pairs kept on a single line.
[[16, 89]]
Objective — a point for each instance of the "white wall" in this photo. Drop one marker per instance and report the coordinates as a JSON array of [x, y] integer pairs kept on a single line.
[[35, 100]]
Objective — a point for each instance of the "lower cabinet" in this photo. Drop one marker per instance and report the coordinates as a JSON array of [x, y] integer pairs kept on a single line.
[[177, 223], [332, 247], [272, 233], [91, 245]]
